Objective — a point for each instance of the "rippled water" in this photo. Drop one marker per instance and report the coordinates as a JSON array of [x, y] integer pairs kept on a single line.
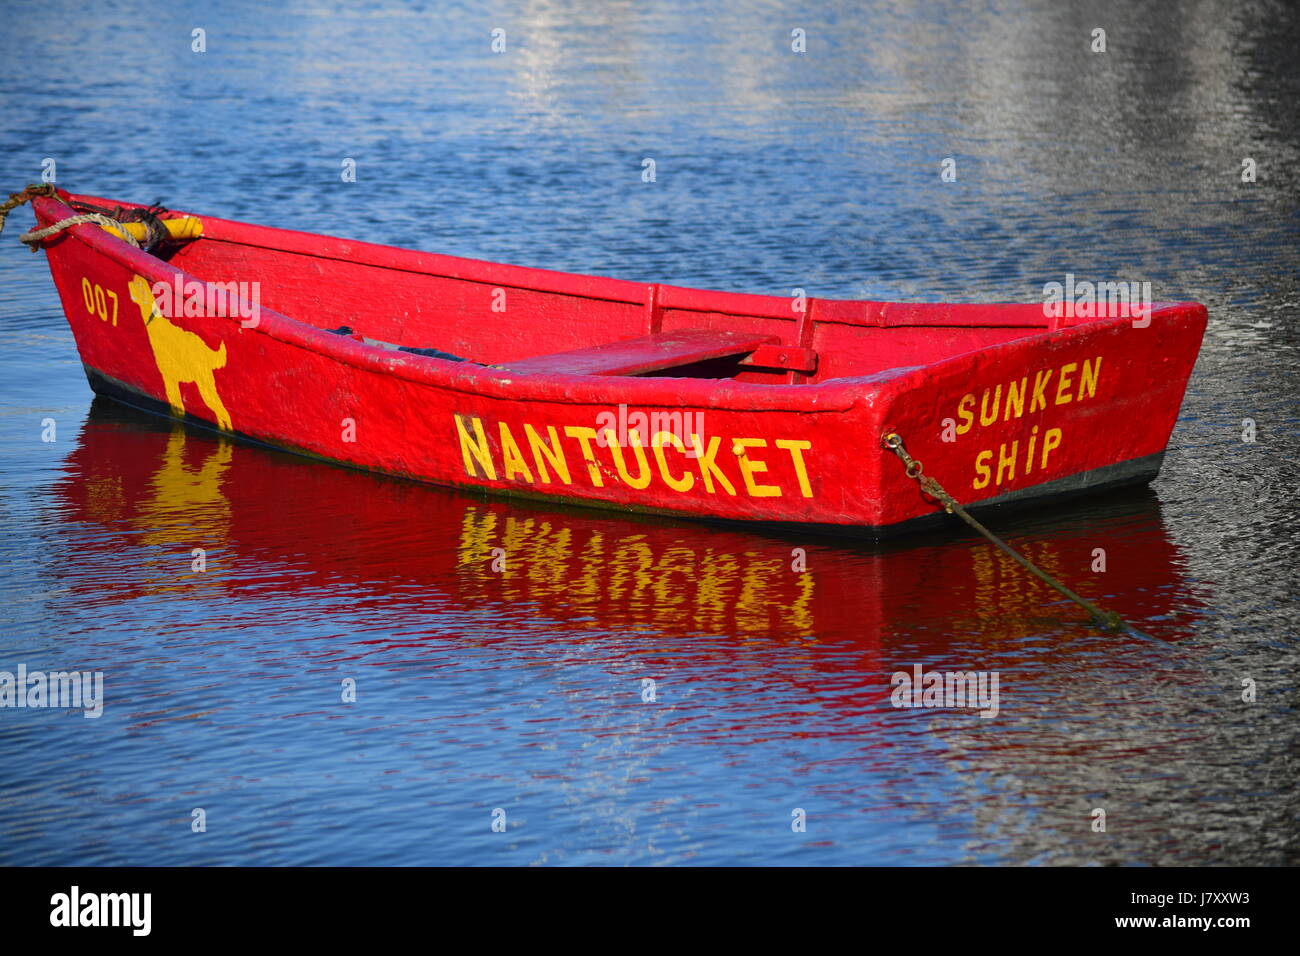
[[523, 690]]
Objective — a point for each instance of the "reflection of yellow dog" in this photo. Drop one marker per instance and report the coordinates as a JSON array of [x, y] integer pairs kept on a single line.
[[181, 356]]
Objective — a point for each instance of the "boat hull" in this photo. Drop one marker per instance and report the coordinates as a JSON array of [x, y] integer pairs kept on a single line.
[[1068, 410], [1135, 472]]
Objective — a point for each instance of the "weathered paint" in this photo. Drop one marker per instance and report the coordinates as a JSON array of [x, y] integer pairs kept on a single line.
[[997, 401]]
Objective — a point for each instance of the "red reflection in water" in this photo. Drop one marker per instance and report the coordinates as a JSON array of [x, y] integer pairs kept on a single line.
[[278, 526]]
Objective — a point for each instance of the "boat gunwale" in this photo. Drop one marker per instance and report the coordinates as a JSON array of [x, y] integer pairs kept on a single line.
[[853, 312], [832, 395]]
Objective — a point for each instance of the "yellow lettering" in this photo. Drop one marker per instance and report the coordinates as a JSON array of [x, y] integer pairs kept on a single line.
[[643, 467], [1051, 438], [542, 453], [687, 480], [1039, 398], [965, 414], [585, 437], [985, 417], [982, 470], [796, 450], [1088, 378], [1007, 462], [475, 450], [1063, 396], [511, 457], [750, 467], [708, 469], [1016, 397]]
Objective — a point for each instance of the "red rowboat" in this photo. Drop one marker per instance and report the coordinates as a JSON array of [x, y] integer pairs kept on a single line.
[[610, 393]]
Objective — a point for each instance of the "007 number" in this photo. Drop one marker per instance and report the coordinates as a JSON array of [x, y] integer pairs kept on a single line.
[[96, 298]]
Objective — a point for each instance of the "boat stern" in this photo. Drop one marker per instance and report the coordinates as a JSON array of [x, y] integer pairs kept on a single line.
[[1079, 409]]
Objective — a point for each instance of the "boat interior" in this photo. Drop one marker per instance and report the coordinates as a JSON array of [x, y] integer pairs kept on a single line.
[[538, 321]]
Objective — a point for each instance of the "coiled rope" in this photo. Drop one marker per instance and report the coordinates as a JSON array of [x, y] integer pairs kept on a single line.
[[34, 237], [1105, 620]]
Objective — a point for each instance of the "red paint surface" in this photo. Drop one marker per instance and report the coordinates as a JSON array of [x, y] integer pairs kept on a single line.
[[651, 353], [335, 542], [879, 366]]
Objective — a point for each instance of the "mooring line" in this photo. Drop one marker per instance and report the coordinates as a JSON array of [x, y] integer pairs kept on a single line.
[[1106, 620], [33, 237], [25, 196]]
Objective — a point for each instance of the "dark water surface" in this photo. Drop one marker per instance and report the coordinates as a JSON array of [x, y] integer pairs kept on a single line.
[[523, 690]]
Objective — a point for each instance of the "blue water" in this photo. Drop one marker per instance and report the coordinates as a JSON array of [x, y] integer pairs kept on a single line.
[[523, 691]]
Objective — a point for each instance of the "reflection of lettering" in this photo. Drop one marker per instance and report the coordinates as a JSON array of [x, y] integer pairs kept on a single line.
[[599, 576], [1024, 454], [751, 467]]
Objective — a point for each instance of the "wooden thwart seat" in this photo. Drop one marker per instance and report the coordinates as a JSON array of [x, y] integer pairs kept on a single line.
[[650, 353]]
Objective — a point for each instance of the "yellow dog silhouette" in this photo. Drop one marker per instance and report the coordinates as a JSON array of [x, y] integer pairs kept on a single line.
[[181, 356]]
